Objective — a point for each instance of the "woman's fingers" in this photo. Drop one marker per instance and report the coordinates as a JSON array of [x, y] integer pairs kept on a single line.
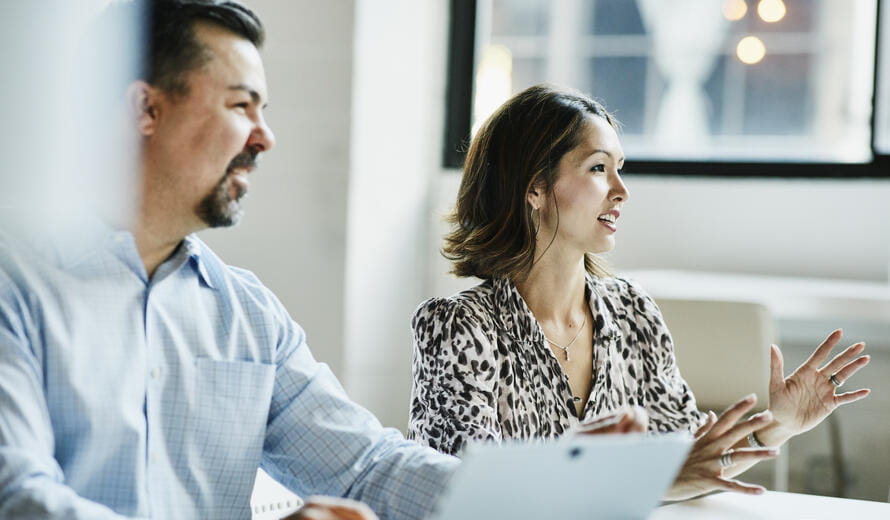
[[741, 430], [821, 353], [634, 420], [627, 420], [776, 368], [706, 426], [333, 508], [838, 361], [847, 371], [738, 486], [743, 455], [604, 424], [849, 397], [731, 415]]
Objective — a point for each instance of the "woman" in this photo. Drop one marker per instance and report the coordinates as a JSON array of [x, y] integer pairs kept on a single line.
[[550, 338]]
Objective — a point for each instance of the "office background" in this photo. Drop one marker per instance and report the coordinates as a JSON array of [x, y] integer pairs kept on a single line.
[[343, 218]]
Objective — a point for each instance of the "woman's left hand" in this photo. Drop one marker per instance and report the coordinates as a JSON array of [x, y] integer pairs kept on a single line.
[[631, 419], [807, 396], [332, 508]]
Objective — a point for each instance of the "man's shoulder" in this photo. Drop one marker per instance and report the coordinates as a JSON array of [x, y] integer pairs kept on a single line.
[[230, 278]]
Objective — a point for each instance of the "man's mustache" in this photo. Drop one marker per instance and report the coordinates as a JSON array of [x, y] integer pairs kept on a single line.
[[245, 159]]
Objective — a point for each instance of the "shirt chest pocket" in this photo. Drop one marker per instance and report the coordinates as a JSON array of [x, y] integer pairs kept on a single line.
[[233, 399]]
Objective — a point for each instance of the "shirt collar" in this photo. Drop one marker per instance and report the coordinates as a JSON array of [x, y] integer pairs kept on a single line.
[[190, 250], [513, 314], [194, 248]]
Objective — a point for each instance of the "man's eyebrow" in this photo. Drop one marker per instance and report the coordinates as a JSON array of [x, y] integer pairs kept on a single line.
[[254, 95]]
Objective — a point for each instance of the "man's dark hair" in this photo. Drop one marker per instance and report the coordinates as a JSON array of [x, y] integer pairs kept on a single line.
[[171, 47]]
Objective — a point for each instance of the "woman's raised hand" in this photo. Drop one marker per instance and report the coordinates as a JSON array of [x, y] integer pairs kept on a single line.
[[806, 397], [712, 453]]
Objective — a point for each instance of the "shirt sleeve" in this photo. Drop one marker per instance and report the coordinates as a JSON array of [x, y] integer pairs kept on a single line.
[[453, 399], [319, 442], [31, 482], [664, 393]]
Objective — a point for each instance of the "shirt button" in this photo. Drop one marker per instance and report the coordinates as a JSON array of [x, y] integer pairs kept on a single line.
[[155, 373]]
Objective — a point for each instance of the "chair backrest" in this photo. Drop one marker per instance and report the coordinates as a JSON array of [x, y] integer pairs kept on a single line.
[[722, 348]]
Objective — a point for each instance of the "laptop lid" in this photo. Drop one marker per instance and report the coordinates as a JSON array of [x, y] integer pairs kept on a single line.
[[585, 477]]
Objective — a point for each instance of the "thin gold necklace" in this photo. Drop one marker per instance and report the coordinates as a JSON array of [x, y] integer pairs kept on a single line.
[[565, 349]]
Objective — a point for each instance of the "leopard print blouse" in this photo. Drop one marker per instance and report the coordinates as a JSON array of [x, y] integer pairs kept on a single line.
[[483, 371]]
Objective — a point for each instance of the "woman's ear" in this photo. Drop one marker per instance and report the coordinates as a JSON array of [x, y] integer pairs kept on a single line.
[[142, 101], [535, 196]]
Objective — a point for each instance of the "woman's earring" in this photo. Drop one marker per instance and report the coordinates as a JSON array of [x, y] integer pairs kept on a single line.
[[536, 226]]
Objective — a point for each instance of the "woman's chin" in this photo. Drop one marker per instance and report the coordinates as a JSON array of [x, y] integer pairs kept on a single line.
[[602, 246]]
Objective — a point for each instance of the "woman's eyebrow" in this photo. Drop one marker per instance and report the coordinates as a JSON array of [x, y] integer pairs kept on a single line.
[[599, 150]]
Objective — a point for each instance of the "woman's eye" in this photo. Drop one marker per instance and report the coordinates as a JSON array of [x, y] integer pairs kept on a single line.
[[244, 105], [599, 168]]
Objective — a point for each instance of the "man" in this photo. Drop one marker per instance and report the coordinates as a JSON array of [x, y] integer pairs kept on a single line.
[[140, 376]]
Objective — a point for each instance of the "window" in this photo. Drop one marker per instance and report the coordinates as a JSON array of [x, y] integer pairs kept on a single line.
[[750, 87]]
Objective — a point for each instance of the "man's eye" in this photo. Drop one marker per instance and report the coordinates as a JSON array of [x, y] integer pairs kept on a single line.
[[244, 105]]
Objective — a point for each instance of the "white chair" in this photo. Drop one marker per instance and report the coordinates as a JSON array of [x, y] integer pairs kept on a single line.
[[722, 349]]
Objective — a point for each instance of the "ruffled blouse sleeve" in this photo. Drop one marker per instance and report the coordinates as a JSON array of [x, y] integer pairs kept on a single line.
[[663, 392], [453, 398]]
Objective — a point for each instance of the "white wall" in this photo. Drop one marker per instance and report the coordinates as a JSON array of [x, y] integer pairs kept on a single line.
[[398, 93], [293, 235], [812, 228]]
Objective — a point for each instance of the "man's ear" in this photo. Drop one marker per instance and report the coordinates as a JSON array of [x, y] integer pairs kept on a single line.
[[142, 100]]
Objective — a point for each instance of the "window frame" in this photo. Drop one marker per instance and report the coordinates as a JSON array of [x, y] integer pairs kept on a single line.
[[462, 60]]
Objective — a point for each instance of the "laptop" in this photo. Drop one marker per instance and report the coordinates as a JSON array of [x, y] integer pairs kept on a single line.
[[584, 477]]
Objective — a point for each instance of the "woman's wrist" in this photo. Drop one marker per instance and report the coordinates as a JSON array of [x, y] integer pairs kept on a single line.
[[772, 435]]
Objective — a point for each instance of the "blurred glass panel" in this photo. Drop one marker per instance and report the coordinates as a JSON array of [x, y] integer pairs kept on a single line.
[[626, 99], [616, 17], [519, 17], [527, 72], [65, 134], [714, 89], [675, 74], [777, 96], [799, 16]]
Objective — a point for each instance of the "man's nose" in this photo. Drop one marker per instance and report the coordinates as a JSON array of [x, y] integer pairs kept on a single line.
[[261, 139]]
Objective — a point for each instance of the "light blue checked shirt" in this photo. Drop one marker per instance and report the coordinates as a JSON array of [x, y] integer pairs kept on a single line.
[[122, 396]]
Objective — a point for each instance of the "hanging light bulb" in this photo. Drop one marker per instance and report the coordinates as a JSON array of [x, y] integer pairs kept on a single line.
[[771, 11], [750, 50], [734, 10]]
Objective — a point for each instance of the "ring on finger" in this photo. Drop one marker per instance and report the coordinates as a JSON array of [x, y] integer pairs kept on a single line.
[[835, 381], [726, 460]]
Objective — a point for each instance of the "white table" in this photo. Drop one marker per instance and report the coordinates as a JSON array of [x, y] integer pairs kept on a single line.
[[772, 505]]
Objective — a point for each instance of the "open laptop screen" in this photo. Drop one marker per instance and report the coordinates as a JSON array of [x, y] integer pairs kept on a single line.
[[601, 476]]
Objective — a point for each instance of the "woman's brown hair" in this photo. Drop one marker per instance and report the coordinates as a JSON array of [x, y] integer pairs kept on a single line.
[[517, 148]]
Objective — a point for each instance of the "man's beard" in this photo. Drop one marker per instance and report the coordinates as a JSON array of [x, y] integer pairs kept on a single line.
[[219, 208]]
